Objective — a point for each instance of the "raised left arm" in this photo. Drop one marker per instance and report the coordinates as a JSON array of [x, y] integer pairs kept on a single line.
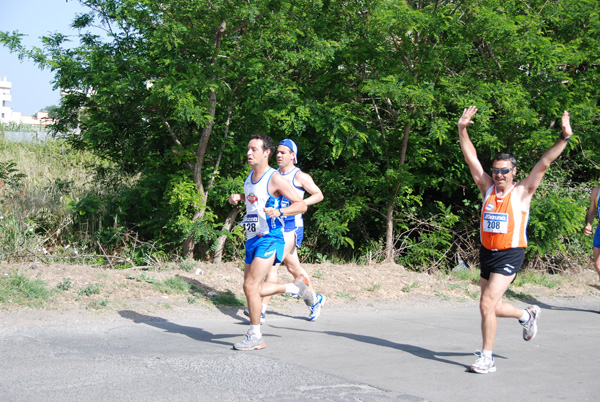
[[533, 181]]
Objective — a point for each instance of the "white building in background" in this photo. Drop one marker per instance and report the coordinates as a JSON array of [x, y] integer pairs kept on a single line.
[[7, 115]]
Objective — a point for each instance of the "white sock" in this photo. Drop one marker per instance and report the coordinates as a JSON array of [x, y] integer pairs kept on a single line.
[[487, 353], [291, 289], [525, 317], [264, 308], [255, 329]]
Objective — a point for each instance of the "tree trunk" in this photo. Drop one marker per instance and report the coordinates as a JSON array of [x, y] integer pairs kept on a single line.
[[188, 244], [229, 221], [389, 233], [389, 215]]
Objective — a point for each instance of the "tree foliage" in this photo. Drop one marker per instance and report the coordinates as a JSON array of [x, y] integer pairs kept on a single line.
[[370, 91]]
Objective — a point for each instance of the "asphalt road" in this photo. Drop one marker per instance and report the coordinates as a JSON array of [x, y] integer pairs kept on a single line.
[[399, 352]]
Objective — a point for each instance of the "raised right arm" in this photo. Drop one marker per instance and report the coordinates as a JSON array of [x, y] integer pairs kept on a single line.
[[482, 179]]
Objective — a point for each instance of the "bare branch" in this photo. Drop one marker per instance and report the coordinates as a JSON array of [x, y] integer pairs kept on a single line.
[[173, 135], [218, 163]]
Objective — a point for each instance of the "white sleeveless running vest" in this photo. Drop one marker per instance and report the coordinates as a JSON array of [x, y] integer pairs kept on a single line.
[[256, 222]]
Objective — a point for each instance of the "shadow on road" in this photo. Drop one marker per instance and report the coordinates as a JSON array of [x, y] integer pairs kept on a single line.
[[225, 301], [546, 306], [417, 351], [195, 333], [277, 313]]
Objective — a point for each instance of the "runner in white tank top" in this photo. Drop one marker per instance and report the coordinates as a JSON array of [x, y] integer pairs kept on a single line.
[[265, 245]]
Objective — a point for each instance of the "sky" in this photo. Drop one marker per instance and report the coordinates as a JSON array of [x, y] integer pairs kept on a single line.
[[32, 87]]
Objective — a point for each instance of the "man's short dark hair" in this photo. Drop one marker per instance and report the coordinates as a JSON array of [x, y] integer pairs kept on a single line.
[[506, 157], [268, 142]]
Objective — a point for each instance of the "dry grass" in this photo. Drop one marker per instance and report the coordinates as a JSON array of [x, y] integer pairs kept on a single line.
[[342, 284]]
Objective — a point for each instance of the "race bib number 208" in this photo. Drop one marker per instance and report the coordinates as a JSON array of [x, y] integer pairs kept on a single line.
[[494, 222]]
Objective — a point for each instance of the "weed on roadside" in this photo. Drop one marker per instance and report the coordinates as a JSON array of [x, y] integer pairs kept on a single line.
[[65, 285], [345, 296], [97, 304], [441, 295], [473, 295], [174, 285], [537, 278], [471, 275], [511, 294], [409, 288], [464, 286], [375, 287], [17, 289], [143, 278], [187, 265], [228, 299], [453, 286], [89, 290]]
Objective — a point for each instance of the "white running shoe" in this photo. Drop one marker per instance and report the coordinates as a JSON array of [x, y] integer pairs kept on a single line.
[[483, 365], [315, 310], [530, 326], [250, 342]]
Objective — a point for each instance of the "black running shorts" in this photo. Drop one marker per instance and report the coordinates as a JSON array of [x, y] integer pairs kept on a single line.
[[505, 262]]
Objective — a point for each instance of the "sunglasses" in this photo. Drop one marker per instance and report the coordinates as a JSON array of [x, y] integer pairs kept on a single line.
[[502, 170]]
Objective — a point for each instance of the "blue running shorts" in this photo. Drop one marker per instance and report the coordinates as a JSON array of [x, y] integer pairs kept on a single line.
[[299, 235], [264, 247], [597, 237]]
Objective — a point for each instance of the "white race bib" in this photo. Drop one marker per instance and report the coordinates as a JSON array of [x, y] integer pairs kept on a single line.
[[250, 223], [495, 222]]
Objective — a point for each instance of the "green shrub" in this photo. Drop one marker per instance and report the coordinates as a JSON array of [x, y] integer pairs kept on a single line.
[[556, 216], [227, 299], [65, 285], [424, 247], [89, 290], [173, 285]]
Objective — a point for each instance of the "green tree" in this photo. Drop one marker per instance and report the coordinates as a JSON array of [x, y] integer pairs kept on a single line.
[[152, 92], [52, 111], [370, 91]]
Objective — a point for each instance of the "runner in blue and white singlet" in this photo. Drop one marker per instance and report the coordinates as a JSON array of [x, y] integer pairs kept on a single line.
[[293, 223], [300, 182], [593, 212]]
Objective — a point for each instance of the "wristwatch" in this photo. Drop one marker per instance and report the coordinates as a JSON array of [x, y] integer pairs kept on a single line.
[[565, 139]]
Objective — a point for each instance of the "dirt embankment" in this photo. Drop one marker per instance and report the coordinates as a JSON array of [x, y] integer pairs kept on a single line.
[[102, 288]]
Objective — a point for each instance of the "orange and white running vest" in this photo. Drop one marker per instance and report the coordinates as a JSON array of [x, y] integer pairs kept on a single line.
[[503, 221]]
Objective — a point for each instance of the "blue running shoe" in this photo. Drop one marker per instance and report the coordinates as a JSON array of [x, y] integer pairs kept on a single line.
[[263, 316], [315, 310]]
